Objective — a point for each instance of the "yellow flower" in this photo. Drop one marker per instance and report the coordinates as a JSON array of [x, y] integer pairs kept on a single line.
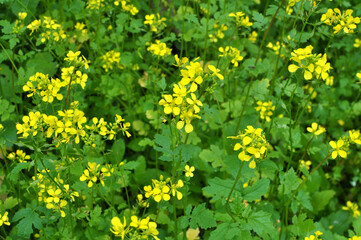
[[357, 43], [4, 219], [215, 71], [353, 207], [119, 228], [189, 171], [252, 145], [316, 129], [338, 149]]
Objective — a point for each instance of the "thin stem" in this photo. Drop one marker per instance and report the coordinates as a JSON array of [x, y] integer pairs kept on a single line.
[[232, 189], [301, 184], [255, 64]]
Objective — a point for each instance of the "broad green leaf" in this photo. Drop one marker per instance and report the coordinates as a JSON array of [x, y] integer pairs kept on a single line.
[[321, 199], [29, 218], [256, 191]]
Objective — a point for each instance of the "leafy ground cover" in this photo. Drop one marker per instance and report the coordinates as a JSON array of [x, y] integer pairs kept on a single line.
[[190, 119]]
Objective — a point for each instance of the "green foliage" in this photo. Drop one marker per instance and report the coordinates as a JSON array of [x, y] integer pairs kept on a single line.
[[180, 119]]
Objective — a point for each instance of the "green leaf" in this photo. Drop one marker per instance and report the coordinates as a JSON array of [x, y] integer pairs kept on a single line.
[[95, 218], [260, 89], [10, 202], [229, 231], [7, 27], [202, 217], [321, 199], [301, 226], [289, 181], [357, 226], [14, 174], [212, 155], [41, 62], [255, 192], [219, 188], [260, 222], [118, 150], [29, 219]]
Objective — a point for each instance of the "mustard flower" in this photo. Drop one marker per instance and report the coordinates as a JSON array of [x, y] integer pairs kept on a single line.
[[305, 164], [338, 149], [90, 174], [118, 227], [253, 145], [189, 171], [355, 238], [316, 129], [215, 71], [265, 110], [353, 207], [4, 219]]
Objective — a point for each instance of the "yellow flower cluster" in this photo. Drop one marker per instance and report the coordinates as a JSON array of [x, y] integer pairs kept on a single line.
[[353, 207], [92, 174], [163, 189], [49, 29], [81, 33], [313, 65], [357, 43], [314, 237], [1, 127], [276, 48], [48, 88], [355, 238], [316, 129], [95, 4], [159, 49], [49, 192], [111, 58], [183, 104], [342, 145], [127, 6], [305, 164], [109, 130], [233, 53], [265, 110], [241, 19], [19, 156], [4, 219], [19, 23], [340, 21], [137, 229], [155, 22], [253, 145], [290, 5], [220, 29], [253, 36]]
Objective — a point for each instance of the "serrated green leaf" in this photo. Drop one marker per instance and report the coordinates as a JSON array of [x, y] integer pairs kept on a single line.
[[202, 217], [29, 219], [212, 155], [321, 199], [256, 191], [301, 226], [289, 181], [261, 223]]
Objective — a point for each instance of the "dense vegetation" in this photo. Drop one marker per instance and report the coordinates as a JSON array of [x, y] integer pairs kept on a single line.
[[189, 119]]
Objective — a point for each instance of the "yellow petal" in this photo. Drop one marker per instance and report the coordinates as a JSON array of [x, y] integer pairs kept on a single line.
[[252, 164], [188, 128], [292, 68]]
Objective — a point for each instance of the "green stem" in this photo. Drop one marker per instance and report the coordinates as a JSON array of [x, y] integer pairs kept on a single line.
[[232, 189], [255, 64], [299, 187]]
